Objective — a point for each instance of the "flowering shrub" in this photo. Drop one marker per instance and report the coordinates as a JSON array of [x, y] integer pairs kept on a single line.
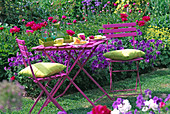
[[10, 96], [148, 105]]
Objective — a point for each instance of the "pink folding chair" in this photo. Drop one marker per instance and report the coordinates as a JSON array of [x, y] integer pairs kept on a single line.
[[122, 30], [38, 80]]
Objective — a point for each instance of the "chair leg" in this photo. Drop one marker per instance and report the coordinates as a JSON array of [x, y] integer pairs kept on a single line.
[[139, 77], [50, 97], [110, 69]]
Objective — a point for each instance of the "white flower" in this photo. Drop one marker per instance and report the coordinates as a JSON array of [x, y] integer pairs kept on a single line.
[[145, 108], [151, 104], [115, 111], [124, 107]]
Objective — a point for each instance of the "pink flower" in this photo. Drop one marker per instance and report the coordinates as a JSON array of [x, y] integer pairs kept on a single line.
[[54, 21], [74, 21], [68, 23], [125, 6], [108, 2], [23, 20], [29, 31], [50, 18], [148, 3], [14, 29], [141, 23], [82, 37], [83, 18], [134, 3], [115, 4], [12, 78], [146, 18], [36, 27], [99, 109], [130, 11], [162, 104], [70, 32], [136, 21], [91, 37], [64, 17], [77, 15], [139, 11], [1, 28]]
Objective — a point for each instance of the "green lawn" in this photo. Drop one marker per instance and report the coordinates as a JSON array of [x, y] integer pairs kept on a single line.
[[157, 81]]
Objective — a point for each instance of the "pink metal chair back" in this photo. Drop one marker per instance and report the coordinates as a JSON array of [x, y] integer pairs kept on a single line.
[[122, 30], [60, 76]]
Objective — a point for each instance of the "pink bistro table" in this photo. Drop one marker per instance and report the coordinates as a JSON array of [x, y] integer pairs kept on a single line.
[[89, 46]]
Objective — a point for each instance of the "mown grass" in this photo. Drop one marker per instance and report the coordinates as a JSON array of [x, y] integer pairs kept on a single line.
[[157, 81]]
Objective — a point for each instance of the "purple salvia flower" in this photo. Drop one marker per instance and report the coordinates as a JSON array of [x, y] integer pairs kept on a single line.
[[100, 30], [138, 30]]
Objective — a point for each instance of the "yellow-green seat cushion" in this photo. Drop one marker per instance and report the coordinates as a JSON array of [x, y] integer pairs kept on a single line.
[[125, 54], [43, 69]]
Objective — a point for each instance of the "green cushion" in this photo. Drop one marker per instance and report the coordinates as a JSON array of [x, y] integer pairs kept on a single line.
[[43, 69], [125, 54]]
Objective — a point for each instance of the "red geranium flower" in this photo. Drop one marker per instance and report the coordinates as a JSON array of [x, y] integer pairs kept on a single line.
[[125, 6], [12, 78], [99, 109], [146, 18], [123, 15], [50, 18], [124, 19], [1, 28], [70, 32], [14, 29], [54, 21], [29, 31], [141, 23], [30, 24], [83, 18]]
